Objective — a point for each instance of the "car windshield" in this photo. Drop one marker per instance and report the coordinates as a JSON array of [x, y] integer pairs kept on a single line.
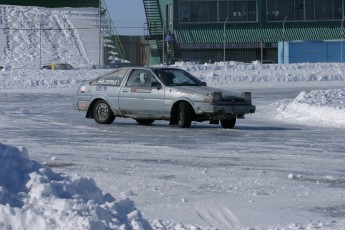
[[177, 77]]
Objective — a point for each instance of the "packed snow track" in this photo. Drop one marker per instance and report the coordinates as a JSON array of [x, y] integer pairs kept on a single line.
[[265, 172]]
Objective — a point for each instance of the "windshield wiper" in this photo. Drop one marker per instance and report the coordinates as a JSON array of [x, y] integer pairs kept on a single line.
[[186, 84]]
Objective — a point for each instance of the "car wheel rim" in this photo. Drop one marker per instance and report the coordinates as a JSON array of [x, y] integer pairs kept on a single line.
[[102, 111]]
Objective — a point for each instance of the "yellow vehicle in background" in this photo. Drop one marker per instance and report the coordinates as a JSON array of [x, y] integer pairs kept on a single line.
[[62, 66]]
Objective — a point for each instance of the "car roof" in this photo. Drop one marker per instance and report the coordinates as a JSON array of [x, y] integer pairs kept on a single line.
[[148, 67]]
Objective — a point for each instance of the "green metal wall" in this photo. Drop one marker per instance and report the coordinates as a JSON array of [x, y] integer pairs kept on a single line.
[[52, 4]]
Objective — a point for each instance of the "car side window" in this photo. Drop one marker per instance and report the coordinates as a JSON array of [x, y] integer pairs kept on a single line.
[[140, 78], [181, 78], [112, 80]]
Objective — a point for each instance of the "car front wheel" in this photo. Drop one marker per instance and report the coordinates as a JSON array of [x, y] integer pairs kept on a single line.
[[229, 123], [185, 115], [102, 113]]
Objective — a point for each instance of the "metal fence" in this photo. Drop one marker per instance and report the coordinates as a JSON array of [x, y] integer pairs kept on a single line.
[[78, 46], [34, 47], [91, 47]]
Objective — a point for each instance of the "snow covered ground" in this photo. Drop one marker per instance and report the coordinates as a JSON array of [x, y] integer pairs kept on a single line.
[[280, 168]]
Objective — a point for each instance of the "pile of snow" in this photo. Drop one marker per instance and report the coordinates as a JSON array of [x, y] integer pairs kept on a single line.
[[33, 195], [228, 73], [45, 79], [238, 72], [319, 107], [35, 35]]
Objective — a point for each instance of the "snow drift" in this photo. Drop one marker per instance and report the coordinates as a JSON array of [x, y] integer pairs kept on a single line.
[[33, 195], [318, 107]]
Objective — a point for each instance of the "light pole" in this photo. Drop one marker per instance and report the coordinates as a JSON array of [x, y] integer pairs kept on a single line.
[[100, 33], [163, 38], [342, 38], [224, 38], [41, 40], [283, 40]]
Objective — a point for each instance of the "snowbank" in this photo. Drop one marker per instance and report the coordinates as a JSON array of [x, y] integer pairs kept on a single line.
[[214, 74], [45, 79], [26, 46], [33, 195], [319, 107], [237, 72]]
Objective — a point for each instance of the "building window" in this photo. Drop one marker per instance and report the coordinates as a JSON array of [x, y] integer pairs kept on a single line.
[[299, 10], [184, 11], [242, 11], [203, 11]]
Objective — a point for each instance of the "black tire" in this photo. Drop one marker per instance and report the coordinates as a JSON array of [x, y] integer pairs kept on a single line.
[[229, 123], [185, 115], [102, 113], [145, 121]]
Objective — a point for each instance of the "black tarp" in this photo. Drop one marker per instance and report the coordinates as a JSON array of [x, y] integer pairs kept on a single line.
[[52, 4]]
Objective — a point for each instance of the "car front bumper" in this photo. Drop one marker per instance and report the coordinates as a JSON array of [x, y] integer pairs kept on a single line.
[[220, 112]]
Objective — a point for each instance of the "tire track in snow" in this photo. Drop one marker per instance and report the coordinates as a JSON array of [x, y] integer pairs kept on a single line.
[[69, 30], [20, 32], [21, 40], [221, 217]]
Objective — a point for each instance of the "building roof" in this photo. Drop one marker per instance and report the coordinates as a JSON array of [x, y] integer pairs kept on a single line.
[[52, 4], [215, 36]]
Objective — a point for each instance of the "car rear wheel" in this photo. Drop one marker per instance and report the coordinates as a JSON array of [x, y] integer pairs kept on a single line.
[[229, 123], [102, 113], [145, 121], [185, 115]]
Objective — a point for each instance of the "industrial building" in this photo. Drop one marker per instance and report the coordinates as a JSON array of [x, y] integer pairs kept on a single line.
[[246, 30]]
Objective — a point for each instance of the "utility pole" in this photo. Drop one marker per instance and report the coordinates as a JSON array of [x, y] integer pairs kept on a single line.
[[342, 38], [283, 40], [100, 33], [163, 38], [224, 38], [41, 40]]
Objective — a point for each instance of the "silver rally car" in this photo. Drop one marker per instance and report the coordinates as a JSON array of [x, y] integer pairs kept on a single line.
[[159, 93]]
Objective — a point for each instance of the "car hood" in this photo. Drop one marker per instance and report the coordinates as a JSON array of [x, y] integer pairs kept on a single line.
[[203, 90]]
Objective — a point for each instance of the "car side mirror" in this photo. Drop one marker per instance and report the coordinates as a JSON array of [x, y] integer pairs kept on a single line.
[[156, 85]]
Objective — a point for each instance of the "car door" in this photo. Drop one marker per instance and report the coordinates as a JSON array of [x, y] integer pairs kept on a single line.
[[138, 99], [108, 87]]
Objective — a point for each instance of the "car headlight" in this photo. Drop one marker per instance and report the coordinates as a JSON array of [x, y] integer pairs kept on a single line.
[[247, 96], [217, 96], [82, 89], [213, 97]]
